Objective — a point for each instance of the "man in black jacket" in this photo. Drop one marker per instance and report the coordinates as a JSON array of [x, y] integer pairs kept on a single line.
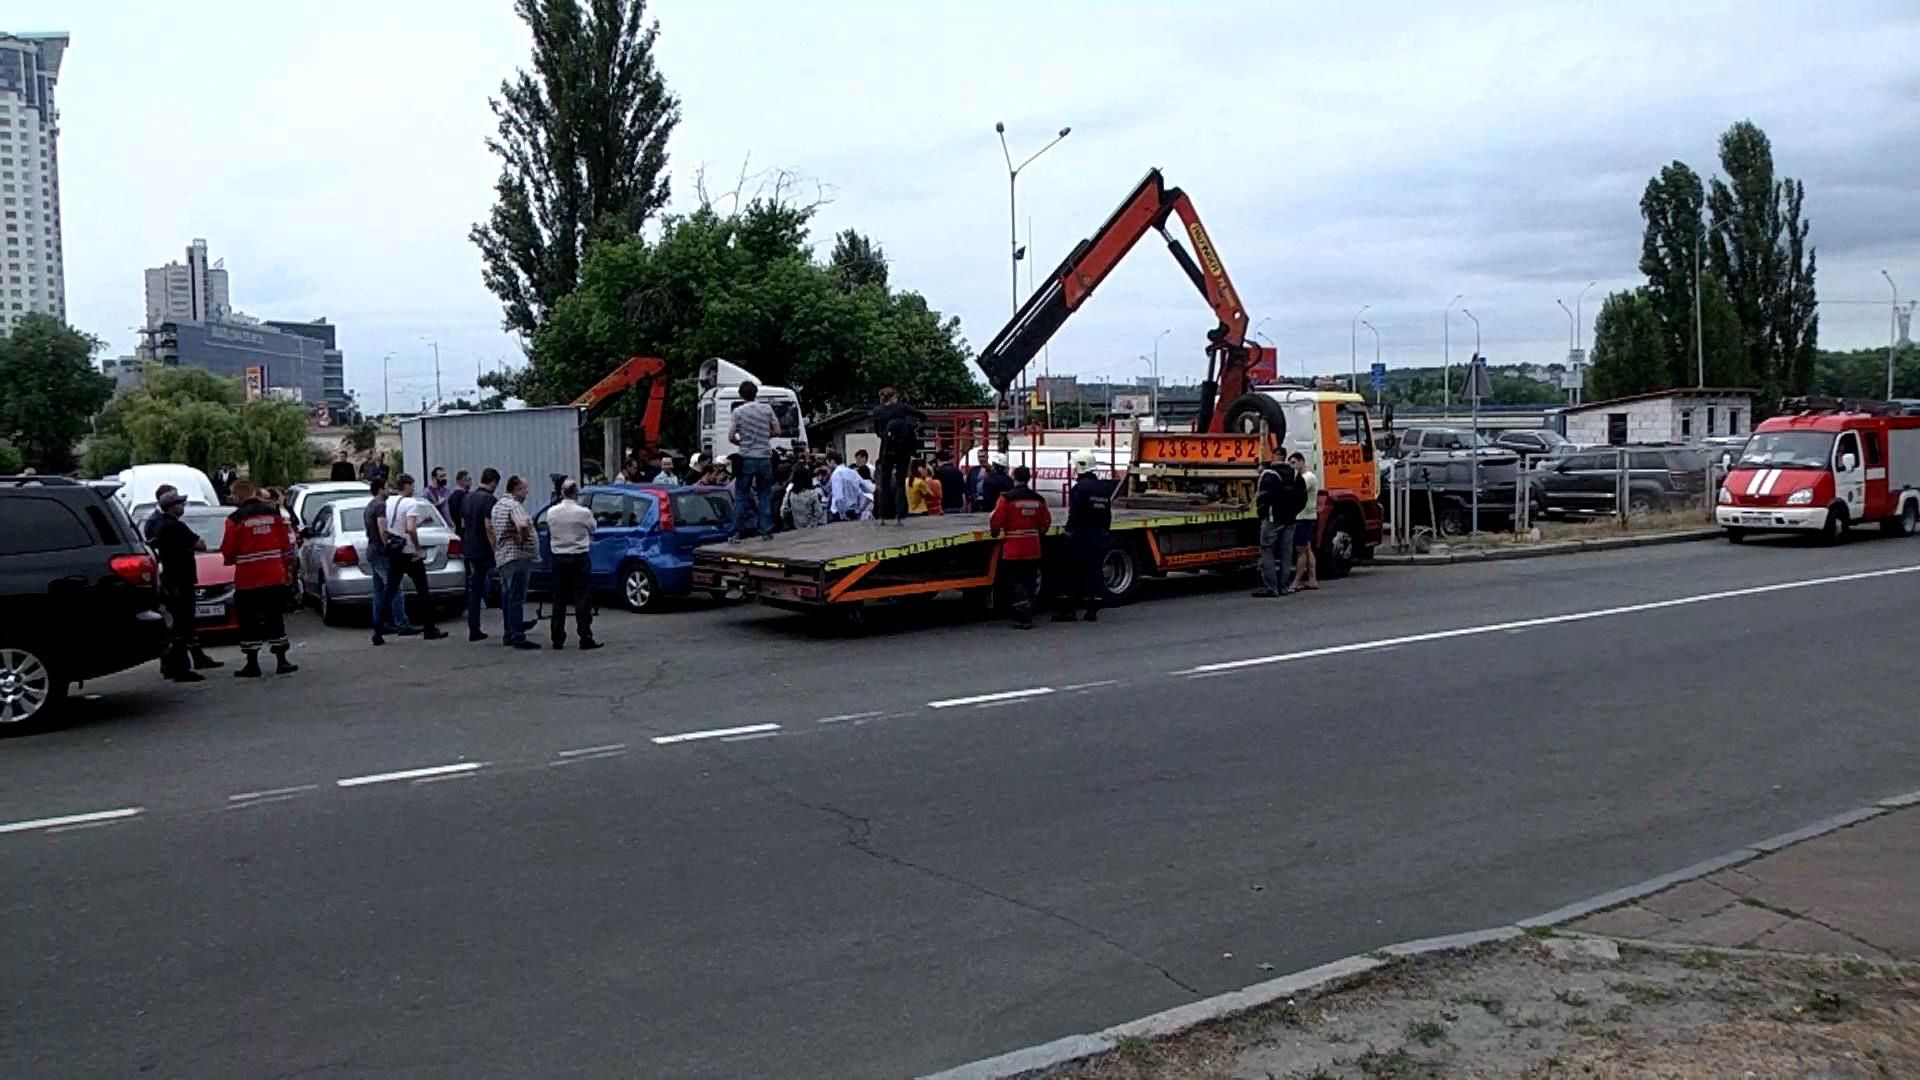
[[953, 486], [1089, 519], [1278, 500], [996, 483], [898, 425], [175, 544]]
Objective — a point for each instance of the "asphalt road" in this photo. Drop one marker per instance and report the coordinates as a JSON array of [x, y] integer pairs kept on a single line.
[[932, 843]]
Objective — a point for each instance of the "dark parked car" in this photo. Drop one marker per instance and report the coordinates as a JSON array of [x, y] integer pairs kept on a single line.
[[1445, 442], [1588, 482], [643, 539], [1534, 444], [78, 595], [1441, 495]]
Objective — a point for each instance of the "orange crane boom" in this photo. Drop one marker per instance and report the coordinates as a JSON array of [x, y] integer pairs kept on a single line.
[[637, 370]]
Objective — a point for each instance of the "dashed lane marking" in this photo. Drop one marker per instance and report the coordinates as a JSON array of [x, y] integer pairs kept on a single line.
[[1089, 685], [587, 751], [714, 733], [989, 699], [410, 774], [50, 823], [270, 793], [844, 717], [752, 736], [1528, 624]]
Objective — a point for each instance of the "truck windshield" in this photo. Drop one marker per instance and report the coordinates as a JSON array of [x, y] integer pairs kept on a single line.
[[1788, 450]]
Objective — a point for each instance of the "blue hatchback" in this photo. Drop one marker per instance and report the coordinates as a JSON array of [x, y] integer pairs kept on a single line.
[[643, 539]]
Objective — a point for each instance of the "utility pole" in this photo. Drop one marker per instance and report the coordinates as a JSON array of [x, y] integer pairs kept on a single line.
[[1353, 345], [1446, 356], [1893, 330], [386, 404], [1473, 389], [1376, 356], [1699, 329]]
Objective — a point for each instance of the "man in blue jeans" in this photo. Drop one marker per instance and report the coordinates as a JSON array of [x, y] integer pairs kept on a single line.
[[752, 429], [476, 506], [389, 609], [514, 550]]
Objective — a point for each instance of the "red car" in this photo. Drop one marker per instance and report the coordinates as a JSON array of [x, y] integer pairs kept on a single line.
[[214, 611]]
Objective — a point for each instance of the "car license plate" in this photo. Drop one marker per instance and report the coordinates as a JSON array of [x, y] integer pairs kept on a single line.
[[209, 611]]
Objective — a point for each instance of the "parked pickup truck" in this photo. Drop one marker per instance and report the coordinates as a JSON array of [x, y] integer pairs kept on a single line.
[[1442, 494]]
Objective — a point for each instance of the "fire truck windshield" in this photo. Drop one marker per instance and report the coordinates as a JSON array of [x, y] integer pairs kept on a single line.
[[1788, 450]]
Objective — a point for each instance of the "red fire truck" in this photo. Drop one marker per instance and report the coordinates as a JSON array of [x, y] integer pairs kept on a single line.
[[1824, 466]]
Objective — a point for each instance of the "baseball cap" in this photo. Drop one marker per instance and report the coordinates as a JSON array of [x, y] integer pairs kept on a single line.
[[171, 499]]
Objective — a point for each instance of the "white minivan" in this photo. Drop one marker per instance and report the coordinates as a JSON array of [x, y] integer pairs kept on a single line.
[[138, 484]]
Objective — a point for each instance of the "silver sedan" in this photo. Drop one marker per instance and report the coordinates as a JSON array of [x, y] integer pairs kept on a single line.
[[333, 560]]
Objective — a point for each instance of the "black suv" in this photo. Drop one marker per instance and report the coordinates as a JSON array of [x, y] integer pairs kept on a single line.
[[77, 594], [1588, 481]]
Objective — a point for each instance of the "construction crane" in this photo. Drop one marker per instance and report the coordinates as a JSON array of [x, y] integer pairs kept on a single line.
[[1234, 366], [647, 371]]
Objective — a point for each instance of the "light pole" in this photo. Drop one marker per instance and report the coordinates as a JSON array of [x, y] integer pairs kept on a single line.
[[437, 399], [1893, 331], [1572, 322], [1353, 346], [1446, 354], [1579, 320], [1013, 174], [1473, 522], [1156, 371], [1476, 330], [1376, 355], [386, 404]]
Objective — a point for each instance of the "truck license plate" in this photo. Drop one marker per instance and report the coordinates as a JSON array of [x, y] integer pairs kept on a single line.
[[209, 611]]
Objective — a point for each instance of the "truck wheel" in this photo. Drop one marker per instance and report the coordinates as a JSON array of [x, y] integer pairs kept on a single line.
[[1905, 523], [1340, 547], [1735, 536], [638, 590], [1835, 528], [1245, 412], [1455, 522], [1121, 569]]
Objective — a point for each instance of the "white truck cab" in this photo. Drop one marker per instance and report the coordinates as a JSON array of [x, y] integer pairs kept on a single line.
[[720, 395]]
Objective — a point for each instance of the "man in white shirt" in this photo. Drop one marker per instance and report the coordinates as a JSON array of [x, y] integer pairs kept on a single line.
[[845, 492], [569, 534], [404, 518]]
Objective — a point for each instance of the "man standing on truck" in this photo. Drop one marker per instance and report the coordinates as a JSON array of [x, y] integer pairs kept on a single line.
[[1278, 500], [953, 486], [1021, 518], [995, 483], [752, 429], [898, 425], [1089, 518]]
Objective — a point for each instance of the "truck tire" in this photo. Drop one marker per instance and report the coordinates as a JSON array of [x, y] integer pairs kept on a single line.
[[1342, 545], [1245, 412], [1835, 528], [1905, 522], [1455, 520], [1122, 570]]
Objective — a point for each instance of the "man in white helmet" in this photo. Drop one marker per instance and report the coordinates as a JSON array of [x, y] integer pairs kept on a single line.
[[1089, 519]]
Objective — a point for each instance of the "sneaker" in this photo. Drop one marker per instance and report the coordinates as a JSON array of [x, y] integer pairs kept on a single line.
[[378, 640], [476, 635], [407, 631], [530, 645], [589, 646], [433, 633]]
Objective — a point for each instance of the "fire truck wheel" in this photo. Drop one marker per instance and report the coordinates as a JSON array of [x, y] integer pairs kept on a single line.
[[1245, 412], [1121, 569], [1835, 529], [1341, 545], [1905, 523], [1735, 536]]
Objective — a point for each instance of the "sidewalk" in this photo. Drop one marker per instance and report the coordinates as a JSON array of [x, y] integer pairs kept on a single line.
[[1801, 962]]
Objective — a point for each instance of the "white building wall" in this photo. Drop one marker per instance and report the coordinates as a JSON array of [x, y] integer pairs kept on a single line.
[[32, 274], [1660, 420]]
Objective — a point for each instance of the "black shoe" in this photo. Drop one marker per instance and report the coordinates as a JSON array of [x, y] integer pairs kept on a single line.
[[187, 676], [433, 633], [529, 645], [201, 661], [1092, 616], [1263, 593], [407, 631], [285, 667], [378, 640], [559, 644], [251, 671], [476, 635], [589, 646], [1065, 616], [1023, 624]]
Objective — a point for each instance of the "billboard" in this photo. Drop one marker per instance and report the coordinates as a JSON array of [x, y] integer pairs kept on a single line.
[[1132, 404], [240, 351]]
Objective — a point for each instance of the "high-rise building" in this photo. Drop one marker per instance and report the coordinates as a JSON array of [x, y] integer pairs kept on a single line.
[[32, 273], [196, 290]]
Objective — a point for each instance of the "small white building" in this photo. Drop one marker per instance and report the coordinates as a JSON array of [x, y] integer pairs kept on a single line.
[[1685, 416]]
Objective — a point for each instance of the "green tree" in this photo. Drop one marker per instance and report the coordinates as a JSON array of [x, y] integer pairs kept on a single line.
[[742, 285], [1759, 249], [1629, 349], [1671, 251], [363, 436], [272, 436], [194, 417], [582, 140], [857, 262], [48, 390]]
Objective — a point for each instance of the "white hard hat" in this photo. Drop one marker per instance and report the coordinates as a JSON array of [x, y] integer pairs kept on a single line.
[[996, 458], [1083, 461]]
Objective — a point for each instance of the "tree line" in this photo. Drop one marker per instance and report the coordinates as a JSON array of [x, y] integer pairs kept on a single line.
[[1742, 242], [589, 270]]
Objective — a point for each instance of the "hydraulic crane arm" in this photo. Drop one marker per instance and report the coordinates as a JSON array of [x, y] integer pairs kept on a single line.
[[1148, 208], [650, 370]]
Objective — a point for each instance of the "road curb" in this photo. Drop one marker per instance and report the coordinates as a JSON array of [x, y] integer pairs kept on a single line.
[[1032, 1060], [1550, 548]]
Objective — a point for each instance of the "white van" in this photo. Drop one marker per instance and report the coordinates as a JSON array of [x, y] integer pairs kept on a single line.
[[138, 484], [720, 395]]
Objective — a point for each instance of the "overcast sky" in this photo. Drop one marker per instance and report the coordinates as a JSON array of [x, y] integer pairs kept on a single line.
[[1341, 155]]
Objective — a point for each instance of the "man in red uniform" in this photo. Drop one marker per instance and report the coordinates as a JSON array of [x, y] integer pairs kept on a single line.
[[1022, 518], [259, 546]]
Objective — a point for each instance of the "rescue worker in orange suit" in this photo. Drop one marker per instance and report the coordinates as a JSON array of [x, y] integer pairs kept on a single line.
[[1021, 518], [1089, 518], [259, 546]]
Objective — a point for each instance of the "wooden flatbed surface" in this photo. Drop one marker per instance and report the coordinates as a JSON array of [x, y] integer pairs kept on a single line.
[[844, 544]]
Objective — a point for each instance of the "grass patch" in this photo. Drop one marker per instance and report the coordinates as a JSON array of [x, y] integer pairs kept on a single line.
[[1826, 1006], [1494, 1006], [1702, 960], [1427, 1032], [1620, 1014], [1389, 1066], [1132, 1046], [1642, 993], [1572, 999]]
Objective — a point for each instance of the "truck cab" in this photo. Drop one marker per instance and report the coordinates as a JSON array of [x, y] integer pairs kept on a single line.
[[720, 395], [1824, 470]]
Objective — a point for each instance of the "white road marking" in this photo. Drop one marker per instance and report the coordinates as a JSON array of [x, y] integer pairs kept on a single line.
[[1089, 685], [848, 716], [715, 733], [581, 755], [248, 796], [72, 819], [441, 778], [261, 801], [1548, 620], [986, 699], [750, 738], [591, 750], [410, 774]]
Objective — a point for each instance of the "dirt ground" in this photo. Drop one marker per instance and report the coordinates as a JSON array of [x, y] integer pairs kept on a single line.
[[1565, 1007]]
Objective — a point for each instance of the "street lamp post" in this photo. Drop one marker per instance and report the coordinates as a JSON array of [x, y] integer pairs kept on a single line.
[[1893, 329], [386, 404], [1579, 319], [1376, 355], [1353, 346], [1573, 326], [437, 399], [1156, 372], [1446, 354], [1013, 174], [1473, 523]]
